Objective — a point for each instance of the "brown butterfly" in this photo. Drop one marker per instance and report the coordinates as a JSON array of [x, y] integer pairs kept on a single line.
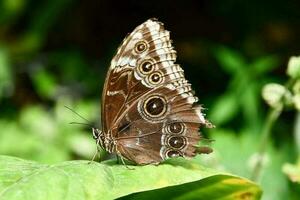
[[148, 107]]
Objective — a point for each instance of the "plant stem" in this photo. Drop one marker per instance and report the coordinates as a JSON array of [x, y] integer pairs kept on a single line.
[[270, 121], [297, 132]]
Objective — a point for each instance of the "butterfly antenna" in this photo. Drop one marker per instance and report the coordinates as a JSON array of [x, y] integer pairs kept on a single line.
[[73, 111], [89, 125], [207, 140]]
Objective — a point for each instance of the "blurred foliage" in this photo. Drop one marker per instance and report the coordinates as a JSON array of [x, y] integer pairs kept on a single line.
[[55, 54], [243, 93], [293, 171]]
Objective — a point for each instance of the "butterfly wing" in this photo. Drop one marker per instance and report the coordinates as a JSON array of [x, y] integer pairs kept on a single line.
[[123, 80], [148, 105]]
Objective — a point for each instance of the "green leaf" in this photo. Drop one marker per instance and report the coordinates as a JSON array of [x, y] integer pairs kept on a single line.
[[224, 109], [21, 179], [235, 152], [10, 10], [6, 82], [208, 188], [250, 105], [44, 83], [264, 64], [230, 60]]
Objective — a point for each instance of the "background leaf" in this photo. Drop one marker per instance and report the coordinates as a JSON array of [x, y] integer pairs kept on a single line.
[[224, 109], [264, 64], [230, 60], [6, 83], [231, 151], [81, 180]]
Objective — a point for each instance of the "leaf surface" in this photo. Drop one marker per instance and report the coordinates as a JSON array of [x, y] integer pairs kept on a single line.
[[175, 179]]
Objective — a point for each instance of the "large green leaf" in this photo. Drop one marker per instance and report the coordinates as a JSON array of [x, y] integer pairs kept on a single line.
[[175, 179]]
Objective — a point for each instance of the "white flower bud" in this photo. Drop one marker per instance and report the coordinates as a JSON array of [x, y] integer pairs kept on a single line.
[[275, 94], [293, 69]]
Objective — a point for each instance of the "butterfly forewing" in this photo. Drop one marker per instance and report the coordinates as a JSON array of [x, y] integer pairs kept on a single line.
[[148, 107], [123, 78]]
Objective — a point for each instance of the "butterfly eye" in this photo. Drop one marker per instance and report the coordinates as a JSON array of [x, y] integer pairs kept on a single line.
[[173, 153], [141, 46], [146, 67], [155, 106], [176, 128], [177, 142], [156, 78]]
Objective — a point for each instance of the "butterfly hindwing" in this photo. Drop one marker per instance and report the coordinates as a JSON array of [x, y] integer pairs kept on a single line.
[[159, 127]]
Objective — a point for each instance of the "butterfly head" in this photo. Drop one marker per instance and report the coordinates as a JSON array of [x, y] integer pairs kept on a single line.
[[104, 142], [96, 133]]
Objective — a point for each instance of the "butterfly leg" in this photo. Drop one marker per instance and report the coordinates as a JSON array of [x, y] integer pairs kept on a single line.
[[97, 152], [118, 159], [125, 164], [119, 156]]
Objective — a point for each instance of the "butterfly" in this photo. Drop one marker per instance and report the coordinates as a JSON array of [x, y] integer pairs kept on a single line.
[[148, 109]]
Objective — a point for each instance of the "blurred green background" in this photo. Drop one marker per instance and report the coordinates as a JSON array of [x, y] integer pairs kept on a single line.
[[55, 53]]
